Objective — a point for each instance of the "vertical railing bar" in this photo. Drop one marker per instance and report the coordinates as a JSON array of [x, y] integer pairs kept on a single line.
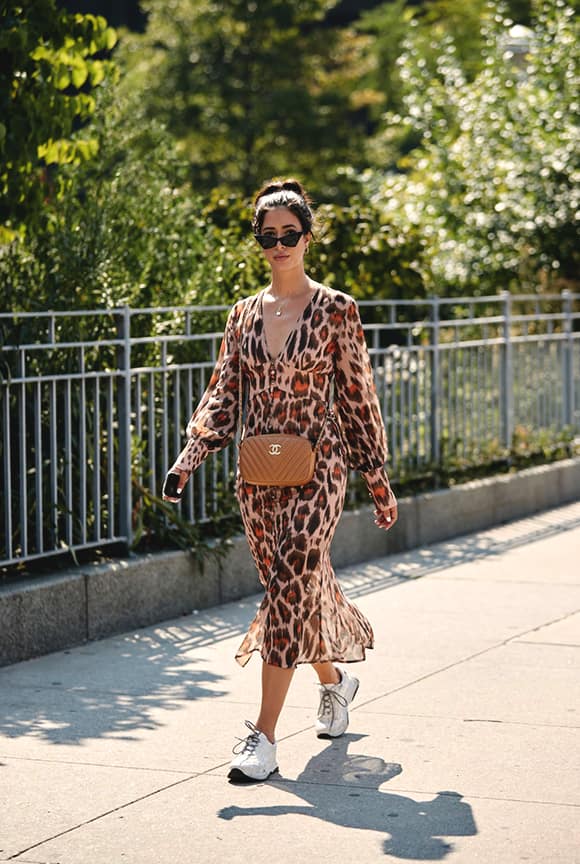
[[165, 465], [124, 425], [67, 466], [82, 450], [403, 438], [22, 462], [519, 360], [111, 521], [539, 379], [53, 433], [97, 462], [568, 411], [138, 402], [435, 384], [393, 412], [468, 402], [384, 390], [425, 366], [7, 470], [176, 444], [152, 436], [188, 412], [38, 485], [507, 373], [201, 473], [480, 386]]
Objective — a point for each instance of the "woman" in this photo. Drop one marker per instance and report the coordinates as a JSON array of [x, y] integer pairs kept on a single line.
[[297, 341]]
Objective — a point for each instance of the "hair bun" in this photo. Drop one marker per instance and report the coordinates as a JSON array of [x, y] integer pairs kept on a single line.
[[288, 185], [294, 186]]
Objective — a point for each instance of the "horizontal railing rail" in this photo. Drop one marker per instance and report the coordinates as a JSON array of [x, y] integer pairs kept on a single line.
[[94, 403]]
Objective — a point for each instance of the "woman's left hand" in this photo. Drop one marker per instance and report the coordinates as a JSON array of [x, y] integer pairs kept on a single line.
[[386, 516]]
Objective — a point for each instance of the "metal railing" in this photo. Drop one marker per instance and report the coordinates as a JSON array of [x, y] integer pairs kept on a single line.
[[94, 404]]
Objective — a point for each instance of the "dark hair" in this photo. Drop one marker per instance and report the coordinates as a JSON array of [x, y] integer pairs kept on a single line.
[[283, 193]]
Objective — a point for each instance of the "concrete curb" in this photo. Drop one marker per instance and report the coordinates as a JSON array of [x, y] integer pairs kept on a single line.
[[42, 615]]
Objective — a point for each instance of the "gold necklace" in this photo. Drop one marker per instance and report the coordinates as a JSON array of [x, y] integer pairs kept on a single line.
[[282, 303]]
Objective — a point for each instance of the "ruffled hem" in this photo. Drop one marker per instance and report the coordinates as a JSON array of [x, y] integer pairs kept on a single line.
[[344, 638], [243, 657]]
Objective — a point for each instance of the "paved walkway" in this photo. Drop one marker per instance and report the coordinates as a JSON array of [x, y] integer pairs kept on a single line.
[[463, 745]]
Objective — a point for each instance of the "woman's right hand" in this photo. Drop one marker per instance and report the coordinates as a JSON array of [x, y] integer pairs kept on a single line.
[[181, 483]]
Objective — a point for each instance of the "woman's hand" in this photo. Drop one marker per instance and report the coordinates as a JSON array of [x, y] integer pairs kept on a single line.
[[181, 483], [387, 516]]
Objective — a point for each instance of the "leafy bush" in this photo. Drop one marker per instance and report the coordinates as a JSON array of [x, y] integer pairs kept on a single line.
[[491, 181], [52, 63]]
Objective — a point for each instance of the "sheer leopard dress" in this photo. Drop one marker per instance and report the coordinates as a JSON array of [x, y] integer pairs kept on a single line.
[[304, 616]]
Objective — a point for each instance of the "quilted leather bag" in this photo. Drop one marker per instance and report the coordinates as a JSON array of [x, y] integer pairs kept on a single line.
[[277, 460]]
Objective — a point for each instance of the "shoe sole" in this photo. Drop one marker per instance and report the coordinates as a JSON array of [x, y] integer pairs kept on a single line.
[[236, 775], [326, 735]]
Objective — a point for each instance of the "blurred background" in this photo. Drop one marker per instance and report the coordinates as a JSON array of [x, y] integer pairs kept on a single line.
[[438, 139]]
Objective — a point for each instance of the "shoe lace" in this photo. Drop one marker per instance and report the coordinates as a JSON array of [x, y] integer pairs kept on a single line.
[[328, 700], [248, 744]]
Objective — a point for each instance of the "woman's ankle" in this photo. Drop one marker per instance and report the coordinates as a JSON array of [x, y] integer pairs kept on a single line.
[[330, 674], [267, 731]]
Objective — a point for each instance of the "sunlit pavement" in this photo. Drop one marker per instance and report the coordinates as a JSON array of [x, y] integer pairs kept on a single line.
[[463, 744]]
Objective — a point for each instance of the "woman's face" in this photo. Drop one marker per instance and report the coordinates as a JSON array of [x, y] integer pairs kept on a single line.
[[279, 222]]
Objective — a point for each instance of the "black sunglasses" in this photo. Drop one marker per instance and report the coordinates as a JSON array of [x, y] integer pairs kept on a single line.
[[268, 241]]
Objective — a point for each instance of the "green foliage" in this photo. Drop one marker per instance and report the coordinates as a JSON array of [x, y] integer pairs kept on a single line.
[[123, 228], [51, 64], [492, 181], [250, 89], [473, 178], [362, 252]]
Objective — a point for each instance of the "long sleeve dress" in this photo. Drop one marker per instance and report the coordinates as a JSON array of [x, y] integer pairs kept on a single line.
[[304, 616]]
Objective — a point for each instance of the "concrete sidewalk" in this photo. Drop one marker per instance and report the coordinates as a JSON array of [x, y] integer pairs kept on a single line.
[[464, 743]]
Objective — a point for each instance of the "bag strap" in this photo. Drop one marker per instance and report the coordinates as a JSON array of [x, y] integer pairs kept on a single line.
[[240, 431], [240, 379]]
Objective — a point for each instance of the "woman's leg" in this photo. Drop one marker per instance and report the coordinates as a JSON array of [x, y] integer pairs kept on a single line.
[[275, 684], [327, 672]]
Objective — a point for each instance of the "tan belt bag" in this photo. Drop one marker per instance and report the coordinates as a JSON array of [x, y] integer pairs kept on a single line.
[[277, 460]]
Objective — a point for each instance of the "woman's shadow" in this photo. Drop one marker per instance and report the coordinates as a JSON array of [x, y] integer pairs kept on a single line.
[[344, 790]]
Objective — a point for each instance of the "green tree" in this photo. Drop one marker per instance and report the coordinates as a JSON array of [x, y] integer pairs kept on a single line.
[[124, 227], [251, 88], [50, 63], [492, 182]]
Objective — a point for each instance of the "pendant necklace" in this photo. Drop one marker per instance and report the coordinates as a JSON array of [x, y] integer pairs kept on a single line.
[[281, 305]]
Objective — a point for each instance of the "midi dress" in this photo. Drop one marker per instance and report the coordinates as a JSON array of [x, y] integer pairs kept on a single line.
[[304, 616]]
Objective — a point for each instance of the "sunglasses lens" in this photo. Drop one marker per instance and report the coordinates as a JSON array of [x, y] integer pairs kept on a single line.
[[291, 239], [268, 241]]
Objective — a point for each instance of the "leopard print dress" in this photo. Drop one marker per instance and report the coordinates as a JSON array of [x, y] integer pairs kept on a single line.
[[304, 616]]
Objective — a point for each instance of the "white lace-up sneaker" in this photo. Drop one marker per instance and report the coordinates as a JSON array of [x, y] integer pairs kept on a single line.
[[255, 759], [332, 720]]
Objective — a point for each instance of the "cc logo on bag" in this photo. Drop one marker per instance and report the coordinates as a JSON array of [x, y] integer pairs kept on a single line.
[[275, 449]]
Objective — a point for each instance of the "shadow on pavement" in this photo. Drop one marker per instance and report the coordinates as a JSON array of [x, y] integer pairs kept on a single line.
[[103, 690], [344, 789]]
